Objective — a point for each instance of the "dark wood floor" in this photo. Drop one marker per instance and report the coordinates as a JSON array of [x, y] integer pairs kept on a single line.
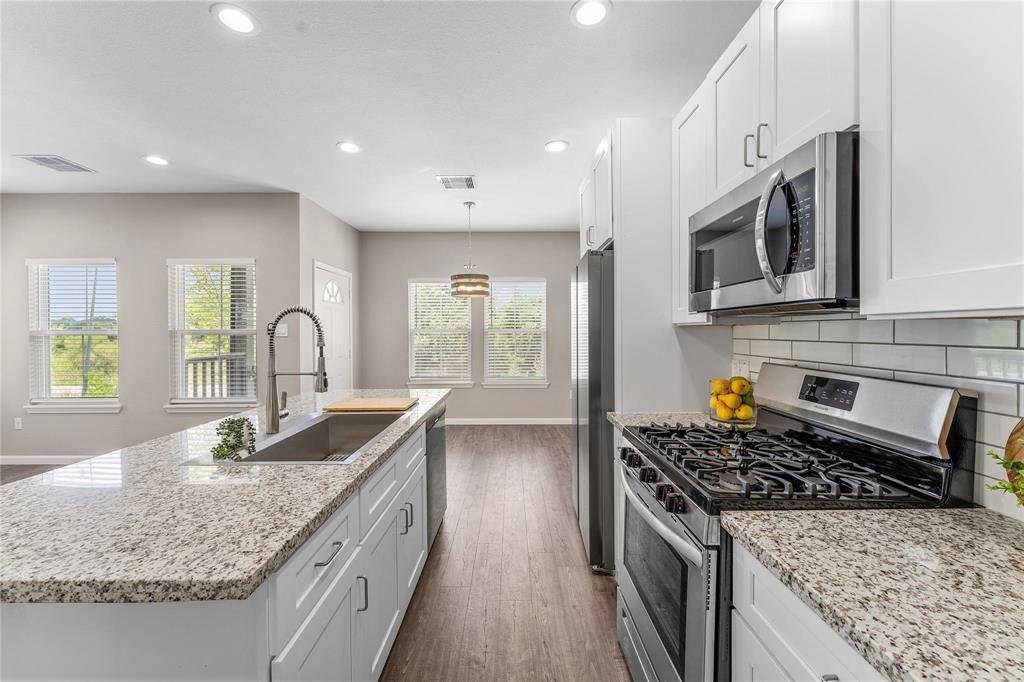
[[507, 593], [15, 472]]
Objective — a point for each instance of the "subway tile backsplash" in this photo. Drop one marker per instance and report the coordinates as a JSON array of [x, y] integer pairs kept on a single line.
[[983, 356]]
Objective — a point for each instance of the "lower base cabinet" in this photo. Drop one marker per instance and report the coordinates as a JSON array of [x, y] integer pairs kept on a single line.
[[350, 631]]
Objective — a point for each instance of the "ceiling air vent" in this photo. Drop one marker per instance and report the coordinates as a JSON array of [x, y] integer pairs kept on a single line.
[[54, 162], [456, 181]]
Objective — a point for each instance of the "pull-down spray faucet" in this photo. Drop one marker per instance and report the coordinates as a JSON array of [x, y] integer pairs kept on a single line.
[[273, 406]]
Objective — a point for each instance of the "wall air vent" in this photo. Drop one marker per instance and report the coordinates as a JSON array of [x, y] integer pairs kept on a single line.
[[456, 181], [54, 162]]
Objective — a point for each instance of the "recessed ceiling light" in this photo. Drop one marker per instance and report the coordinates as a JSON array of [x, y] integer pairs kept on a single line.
[[589, 12], [556, 146], [156, 160], [235, 18], [349, 147]]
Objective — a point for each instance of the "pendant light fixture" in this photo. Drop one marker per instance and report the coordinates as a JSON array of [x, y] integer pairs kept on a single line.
[[470, 284]]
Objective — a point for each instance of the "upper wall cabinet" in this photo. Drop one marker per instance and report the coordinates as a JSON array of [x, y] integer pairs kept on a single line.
[[941, 207], [595, 197], [733, 98], [808, 73], [689, 194]]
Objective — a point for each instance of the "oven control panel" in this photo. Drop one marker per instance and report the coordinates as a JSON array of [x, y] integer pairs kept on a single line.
[[838, 393], [664, 492]]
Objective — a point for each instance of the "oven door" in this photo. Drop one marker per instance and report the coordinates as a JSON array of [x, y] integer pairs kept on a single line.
[[666, 584]]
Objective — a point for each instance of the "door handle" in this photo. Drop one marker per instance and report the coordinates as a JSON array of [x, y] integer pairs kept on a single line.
[[760, 245], [405, 524], [686, 549], [366, 592], [337, 548], [590, 239], [746, 148], [757, 143]]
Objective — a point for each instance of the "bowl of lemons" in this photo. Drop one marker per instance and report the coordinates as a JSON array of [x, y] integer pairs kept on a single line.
[[732, 401]]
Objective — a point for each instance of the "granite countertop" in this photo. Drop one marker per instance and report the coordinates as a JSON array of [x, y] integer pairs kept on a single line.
[[623, 419], [137, 525], [921, 594]]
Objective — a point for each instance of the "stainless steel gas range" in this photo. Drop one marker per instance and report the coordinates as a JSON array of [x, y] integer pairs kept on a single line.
[[822, 441]]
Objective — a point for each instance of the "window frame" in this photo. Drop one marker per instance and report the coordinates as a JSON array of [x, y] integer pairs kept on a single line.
[[76, 405], [448, 382], [516, 382], [177, 329]]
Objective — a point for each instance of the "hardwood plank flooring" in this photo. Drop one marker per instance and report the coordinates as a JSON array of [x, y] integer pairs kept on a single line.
[[506, 593]]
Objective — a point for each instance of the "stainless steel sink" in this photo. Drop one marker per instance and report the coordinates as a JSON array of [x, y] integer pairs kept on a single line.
[[318, 438]]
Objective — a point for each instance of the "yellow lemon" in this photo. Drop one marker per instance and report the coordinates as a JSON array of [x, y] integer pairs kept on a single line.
[[730, 400], [740, 386], [744, 412], [714, 402], [723, 413], [719, 386]]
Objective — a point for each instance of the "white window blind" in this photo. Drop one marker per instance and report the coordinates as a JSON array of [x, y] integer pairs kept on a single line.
[[73, 345], [439, 332], [515, 330], [212, 322]]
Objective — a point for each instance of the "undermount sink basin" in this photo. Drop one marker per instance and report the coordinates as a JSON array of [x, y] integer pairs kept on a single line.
[[319, 438]]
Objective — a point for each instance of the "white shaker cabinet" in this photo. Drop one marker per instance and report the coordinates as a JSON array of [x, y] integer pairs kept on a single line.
[[378, 597], [733, 97], [595, 198], [412, 532], [941, 206], [689, 195], [808, 72]]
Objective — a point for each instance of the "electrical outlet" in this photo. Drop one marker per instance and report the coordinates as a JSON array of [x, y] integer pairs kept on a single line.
[[741, 368], [17, 424], [282, 329]]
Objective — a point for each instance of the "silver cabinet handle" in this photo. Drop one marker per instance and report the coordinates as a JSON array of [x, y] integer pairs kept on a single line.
[[366, 593], [830, 677], [760, 245], [590, 238], [405, 524], [757, 144], [746, 148], [337, 548], [412, 515]]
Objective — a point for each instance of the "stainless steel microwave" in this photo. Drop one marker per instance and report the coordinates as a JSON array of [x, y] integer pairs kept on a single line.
[[785, 241]]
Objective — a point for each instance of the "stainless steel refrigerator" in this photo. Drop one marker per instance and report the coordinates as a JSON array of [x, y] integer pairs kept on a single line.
[[593, 396]]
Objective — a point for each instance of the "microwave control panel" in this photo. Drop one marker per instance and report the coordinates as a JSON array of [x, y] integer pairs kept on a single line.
[[801, 222]]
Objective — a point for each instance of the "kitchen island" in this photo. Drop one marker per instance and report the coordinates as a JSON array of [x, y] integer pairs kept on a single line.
[[137, 564]]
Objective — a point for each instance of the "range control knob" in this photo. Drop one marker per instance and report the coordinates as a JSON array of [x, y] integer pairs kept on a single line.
[[630, 457], [648, 474], [661, 490], [674, 503]]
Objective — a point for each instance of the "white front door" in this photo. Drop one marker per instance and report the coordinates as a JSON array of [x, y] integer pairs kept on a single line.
[[332, 302]]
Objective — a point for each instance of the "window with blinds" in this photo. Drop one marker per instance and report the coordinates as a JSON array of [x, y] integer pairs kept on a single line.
[[72, 321], [212, 323], [439, 332], [515, 331]]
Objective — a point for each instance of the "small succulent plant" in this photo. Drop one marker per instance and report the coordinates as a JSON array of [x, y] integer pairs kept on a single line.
[[235, 433]]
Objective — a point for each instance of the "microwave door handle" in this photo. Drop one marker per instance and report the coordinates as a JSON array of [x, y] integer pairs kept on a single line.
[[687, 550], [760, 245]]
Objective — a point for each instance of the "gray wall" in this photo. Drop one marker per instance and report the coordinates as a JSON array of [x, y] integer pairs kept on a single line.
[[324, 238], [389, 260], [141, 231]]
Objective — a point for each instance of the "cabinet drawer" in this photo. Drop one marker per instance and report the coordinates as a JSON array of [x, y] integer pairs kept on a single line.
[[411, 453], [751, 661], [376, 494], [302, 580], [795, 636]]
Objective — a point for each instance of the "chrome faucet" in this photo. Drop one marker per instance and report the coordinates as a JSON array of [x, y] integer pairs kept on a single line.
[[273, 407]]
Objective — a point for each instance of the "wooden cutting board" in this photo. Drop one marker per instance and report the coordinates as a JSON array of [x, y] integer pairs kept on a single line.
[[372, 405]]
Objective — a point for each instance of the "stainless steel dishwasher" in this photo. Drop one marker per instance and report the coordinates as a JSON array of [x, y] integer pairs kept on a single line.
[[437, 490]]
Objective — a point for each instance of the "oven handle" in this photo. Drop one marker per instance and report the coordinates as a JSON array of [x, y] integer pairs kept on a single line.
[[777, 179], [686, 549]]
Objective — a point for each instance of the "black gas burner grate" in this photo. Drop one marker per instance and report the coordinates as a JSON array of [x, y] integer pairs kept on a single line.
[[756, 463]]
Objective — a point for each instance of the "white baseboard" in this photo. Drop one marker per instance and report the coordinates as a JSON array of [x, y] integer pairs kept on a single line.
[[42, 459], [510, 421]]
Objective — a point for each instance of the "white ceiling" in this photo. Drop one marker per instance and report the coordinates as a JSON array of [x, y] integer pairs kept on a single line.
[[424, 87]]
